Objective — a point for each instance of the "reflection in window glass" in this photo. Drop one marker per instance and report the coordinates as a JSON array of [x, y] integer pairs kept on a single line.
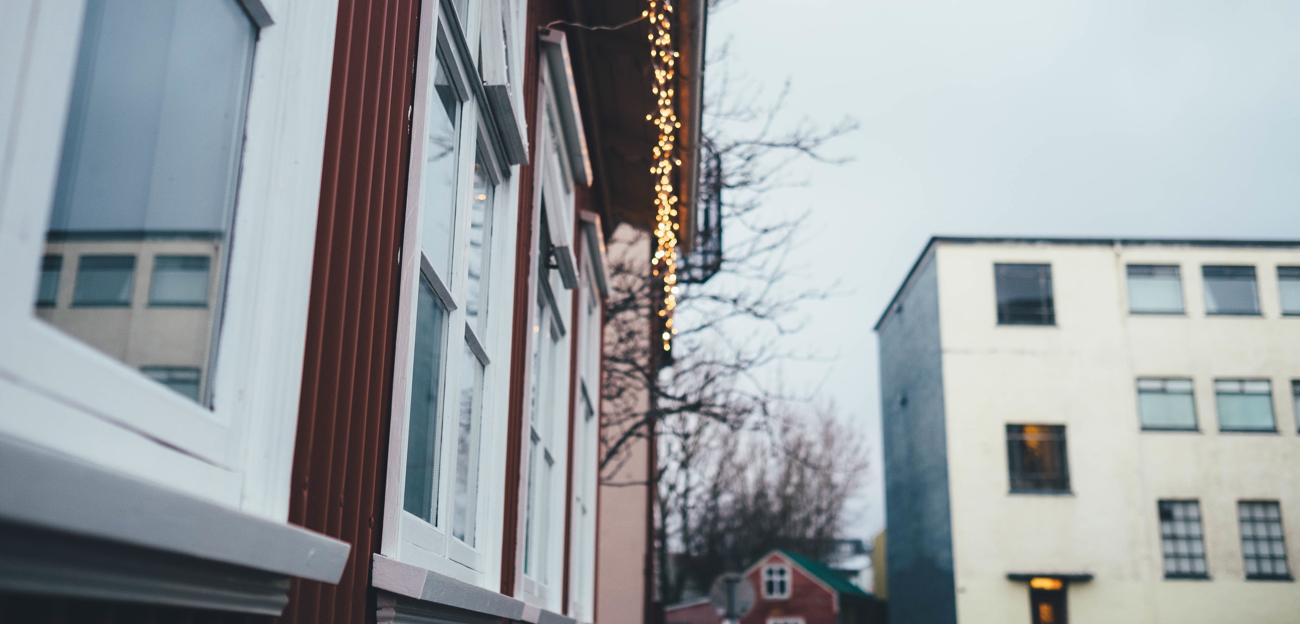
[[104, 281], [179, 281], [1288, 281], [467, 436], [530, 511], [1244, 405], [480, 230], [1230, 290], [149, 164], [422, 443], [442, 123], [183, 379], [1024, 294], [1154, 289], [1166, 404], [47, 294]]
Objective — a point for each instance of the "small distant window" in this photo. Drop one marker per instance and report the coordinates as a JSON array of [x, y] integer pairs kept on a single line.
[[1262, 543], [1155, 289], [1295, 401], [47, 295], [1024, 294], [179, 281], [776, 581], [1166, 404], [1036, 456], [182, 379], [1230, 290], [1181, 539], [104, 281], [1288, 283], [1244, 404]]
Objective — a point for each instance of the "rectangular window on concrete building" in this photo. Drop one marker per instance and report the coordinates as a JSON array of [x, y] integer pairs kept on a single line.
[[1166, 404], [1295, 401], [182, 379], [1036, 456], [1244, 404], [104, 281], [1024, 294], [1230, 290], [1181, 539], [1154, 289], [1288, 283], [1262, 544]]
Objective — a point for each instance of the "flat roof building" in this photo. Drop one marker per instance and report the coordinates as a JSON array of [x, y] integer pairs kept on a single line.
[[1102, 430]]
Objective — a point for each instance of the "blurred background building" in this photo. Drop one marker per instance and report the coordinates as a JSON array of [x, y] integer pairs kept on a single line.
[[1093, 430]]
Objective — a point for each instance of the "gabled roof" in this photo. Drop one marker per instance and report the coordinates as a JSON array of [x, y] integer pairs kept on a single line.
[[825, 574], [819, 571]]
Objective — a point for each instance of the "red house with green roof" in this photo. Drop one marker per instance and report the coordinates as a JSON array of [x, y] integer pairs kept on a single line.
[[792, 589]]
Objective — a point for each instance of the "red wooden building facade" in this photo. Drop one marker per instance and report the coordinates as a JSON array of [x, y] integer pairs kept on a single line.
[[394, 411]]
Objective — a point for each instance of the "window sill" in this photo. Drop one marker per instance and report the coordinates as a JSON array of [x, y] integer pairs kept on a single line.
[[192, 306], [411, 592], [1273, 579], [1235, 314], [91, 305], [1188, 577], [167, 547], [1251, 431], [1179, 313], [1064, 493], [1052, 325], [1171, 430]]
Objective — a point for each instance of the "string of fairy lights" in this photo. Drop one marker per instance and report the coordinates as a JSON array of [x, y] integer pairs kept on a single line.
[[664, 60]]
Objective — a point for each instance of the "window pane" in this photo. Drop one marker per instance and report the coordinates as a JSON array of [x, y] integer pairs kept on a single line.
[[184, 380], [480, 225], [1288, 279], [1181, 540], [104, 281], [1169, 406], [149, 164], [530, 513], [442, 124], [1295, 402], [1024, 293], [425, 434], [179, 281], [1155, 290], [47, 294], [1262, 542], [467, 447], [1036, 457], [1230, 290], [1245, 411]]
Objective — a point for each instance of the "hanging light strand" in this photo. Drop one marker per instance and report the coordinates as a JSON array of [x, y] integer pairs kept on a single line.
[[664, 60]]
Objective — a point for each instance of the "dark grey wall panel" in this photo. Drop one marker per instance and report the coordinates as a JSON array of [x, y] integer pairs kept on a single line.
[[918, 521]]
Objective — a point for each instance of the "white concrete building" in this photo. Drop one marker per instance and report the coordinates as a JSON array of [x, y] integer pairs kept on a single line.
[[1093, 431]]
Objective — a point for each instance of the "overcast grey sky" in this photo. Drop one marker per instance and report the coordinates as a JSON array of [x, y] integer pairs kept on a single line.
[[1123, 118]]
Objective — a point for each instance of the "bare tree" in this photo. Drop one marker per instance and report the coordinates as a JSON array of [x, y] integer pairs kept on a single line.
[[709, 399]]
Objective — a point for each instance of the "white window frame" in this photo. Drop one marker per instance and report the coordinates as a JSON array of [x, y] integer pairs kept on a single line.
[[406, 537], [562, 164], [586, 419], [773, 568], [97, 409]]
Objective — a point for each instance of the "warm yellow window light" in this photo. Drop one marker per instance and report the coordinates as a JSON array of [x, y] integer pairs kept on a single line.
[[1043, 582]]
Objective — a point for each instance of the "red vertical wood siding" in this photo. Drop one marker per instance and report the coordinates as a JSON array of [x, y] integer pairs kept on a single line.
[[341, 450]]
